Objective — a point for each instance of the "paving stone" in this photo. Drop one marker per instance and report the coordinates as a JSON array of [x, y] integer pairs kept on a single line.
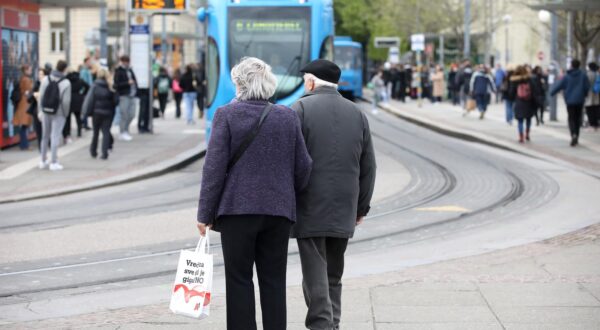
[[548, 315], [439, 326], [428, 314], [551, 326], [537, 294], [401, 296]]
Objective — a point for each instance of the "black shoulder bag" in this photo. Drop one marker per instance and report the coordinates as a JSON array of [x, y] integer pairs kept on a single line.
[[242, 148]]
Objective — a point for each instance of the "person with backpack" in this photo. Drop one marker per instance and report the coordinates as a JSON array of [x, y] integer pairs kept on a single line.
[[19, 96], [162, 83], [576, 86], [524, 104], [481, 85], [592, 104], [55, 96], [100, 103], [177, 92]]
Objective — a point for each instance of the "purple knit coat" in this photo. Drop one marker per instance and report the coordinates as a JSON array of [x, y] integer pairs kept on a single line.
[[266, 178]]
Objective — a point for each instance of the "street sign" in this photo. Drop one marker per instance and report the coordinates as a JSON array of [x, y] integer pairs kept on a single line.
[[417, 42], [394, 55], [387, 42], [139, 31]]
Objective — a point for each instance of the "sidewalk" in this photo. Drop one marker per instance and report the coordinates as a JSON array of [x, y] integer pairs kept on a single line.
[[549, 141], [173, 144], [554, 284]]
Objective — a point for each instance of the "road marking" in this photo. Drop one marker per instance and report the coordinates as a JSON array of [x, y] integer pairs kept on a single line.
[[446, 208]]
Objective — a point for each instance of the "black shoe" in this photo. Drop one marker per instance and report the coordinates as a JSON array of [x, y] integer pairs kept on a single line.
[[94, 155], [573, 141], [104, 157]]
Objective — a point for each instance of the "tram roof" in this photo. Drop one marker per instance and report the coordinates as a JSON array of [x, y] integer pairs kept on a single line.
[[71, 3]]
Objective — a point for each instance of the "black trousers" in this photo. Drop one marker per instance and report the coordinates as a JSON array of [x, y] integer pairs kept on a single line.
[[261, 240], [200, 102], [322, 261], [101, 122], [144, 114], [162, 103], [575, 112], [178, 97]]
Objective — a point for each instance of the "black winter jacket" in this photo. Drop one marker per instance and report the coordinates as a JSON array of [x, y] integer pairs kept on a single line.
[[79, 89], [121, 81], [341, 183], [100, 100], [523, 109], [189, 82]]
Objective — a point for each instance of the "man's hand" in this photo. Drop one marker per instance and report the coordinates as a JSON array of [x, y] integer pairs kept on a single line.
[[131, 82], [359, 220], [202, 228]]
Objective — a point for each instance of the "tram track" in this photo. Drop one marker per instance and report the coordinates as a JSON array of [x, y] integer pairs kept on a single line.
[[450, 184]]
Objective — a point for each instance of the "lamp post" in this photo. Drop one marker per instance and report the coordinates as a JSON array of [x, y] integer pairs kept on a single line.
[[506, 19], [545, 16]]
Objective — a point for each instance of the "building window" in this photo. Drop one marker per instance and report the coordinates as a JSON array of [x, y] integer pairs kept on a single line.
[[57, 40]]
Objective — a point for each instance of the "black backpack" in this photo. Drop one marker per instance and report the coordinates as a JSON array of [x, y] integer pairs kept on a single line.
[[51, 99], [15, 96]]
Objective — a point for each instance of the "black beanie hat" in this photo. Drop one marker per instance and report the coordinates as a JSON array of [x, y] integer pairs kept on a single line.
[[324, 70]]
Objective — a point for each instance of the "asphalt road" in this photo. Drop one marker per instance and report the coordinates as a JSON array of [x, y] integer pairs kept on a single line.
[[123, 241]]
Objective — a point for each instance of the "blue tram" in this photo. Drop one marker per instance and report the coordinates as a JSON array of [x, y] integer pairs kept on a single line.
[[348, 56], [287, 34]]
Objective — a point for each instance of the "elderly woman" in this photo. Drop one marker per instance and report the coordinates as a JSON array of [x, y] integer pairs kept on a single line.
[[252, 202]]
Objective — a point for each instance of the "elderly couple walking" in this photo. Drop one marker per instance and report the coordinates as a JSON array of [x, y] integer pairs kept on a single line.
[[271, 173]]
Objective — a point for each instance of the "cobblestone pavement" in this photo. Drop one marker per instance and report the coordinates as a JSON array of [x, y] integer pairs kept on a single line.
[[553, 284]]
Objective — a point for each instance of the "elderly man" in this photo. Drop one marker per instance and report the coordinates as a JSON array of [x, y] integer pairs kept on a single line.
[[339, 190]]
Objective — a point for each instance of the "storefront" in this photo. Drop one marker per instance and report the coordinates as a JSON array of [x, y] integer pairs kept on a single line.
[[19, 27]]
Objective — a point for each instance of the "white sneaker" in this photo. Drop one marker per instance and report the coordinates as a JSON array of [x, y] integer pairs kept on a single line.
[[44, 164], [56, 167], [125, 137]]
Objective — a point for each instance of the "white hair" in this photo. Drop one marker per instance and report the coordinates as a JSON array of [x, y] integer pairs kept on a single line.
[[254, 79], [318, 82]]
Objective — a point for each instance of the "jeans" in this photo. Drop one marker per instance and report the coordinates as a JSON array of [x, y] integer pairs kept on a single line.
[[189, 98], [248, 240], [527, 122], [101, 122], [126, 112], [23, 138], [575, 112], [508, 108], [482, 101], [162, 102], [52, 126]]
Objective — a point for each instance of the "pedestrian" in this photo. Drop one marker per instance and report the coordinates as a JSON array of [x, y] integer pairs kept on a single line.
[[521, 90], [592, 104], [85, 73], [339, 191], [200, 89], [499, 76], [463, 79], [22, 119], [55, 101], [507, 96], [426, 86], [33, 107], [378, 90], [162, 83], [177, 92], [252, 202], [126, 87], [189, 84], [100, 103], [540, 88], [387, 79], [453, 93], [437, 80], [402, 83], [576, 86], [481, 87], [79, 89]]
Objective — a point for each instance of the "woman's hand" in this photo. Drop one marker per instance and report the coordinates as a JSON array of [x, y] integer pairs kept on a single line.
[[202, 228]]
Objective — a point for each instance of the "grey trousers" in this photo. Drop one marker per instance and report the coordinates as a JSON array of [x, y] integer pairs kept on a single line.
[[127, 112], [52, 126], [322, 261]]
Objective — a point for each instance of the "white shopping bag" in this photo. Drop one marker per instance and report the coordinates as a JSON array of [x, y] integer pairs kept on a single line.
[[191, 292]]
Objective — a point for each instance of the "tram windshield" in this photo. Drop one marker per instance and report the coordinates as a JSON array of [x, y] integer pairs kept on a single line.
[[347, 58], [279, 36]]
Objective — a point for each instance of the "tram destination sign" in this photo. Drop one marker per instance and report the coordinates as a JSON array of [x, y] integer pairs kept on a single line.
[[159, 6], [271, 26]]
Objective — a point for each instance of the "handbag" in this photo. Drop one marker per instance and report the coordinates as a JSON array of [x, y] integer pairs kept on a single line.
[[242, 149], [191, 291], [471, 105]]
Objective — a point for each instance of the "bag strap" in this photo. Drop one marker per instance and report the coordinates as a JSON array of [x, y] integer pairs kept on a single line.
[[204, 243], [249, 138]]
